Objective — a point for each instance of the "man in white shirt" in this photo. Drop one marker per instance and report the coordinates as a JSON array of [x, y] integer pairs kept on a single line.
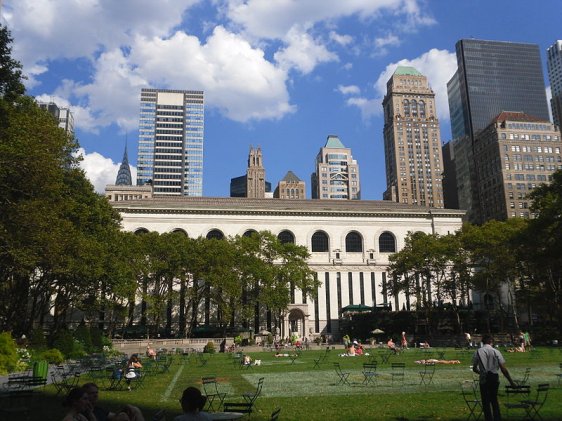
[[486, 362]]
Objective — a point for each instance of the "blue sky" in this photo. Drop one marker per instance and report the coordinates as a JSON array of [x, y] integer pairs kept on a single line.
[[281, 74]]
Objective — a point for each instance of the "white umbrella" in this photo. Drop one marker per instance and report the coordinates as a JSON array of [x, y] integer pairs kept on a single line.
[[377, 331], [265, 332]]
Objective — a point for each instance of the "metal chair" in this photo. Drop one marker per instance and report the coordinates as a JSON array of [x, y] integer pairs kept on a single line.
[[397, 372], [370, 373], [515, 398], [426, 376], [472, 400], [250, 397], [536, 404], [275, 415], [343, 375], [525, 379], [211, 389]]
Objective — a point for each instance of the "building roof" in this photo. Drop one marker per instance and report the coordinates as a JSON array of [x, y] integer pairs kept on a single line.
[[124, 175], [334, 142], [290, 177], [287, 207], [407, 70], [517, 116]]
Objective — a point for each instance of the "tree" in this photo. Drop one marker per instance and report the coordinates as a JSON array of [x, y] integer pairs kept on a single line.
[[11, 77]]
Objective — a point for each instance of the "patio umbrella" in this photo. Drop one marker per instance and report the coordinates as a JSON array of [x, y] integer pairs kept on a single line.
[[377, 331], [265, 332]]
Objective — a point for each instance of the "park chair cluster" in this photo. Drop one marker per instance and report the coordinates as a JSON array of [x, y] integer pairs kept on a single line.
[[17, 392]]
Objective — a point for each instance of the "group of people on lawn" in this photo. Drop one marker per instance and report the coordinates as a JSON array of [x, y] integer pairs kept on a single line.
[[82, 405]]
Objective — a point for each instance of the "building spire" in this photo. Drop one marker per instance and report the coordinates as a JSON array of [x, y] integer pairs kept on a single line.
[[124, 175]]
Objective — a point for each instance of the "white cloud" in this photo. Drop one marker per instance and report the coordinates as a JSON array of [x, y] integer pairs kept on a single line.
[[390, 39], [303, 52], [273, 19], [100, 170], [236, 78], [349, 90], [340, 39], [47, 29], [368, 107]]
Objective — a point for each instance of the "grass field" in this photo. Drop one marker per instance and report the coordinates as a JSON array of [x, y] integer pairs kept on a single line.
[[307, 393]]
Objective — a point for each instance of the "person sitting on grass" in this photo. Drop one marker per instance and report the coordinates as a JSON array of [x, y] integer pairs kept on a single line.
[[246, 360], [192, 404]]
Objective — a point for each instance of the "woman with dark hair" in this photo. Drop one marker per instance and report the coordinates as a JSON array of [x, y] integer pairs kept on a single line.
[[79, 406], [192, 403]]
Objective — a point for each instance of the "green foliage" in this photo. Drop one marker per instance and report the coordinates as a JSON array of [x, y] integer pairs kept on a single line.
[[209, 348], [8, 353], [52, 356], [82, 335], [11, 76], [97, 339], [64, 342]]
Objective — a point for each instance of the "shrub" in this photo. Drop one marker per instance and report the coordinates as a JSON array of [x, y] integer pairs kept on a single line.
[[64, 342], [8, 353], [209, 348], [97, 339], [52, 356]]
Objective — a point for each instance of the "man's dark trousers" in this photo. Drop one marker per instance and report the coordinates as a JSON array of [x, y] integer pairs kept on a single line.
[[489, 394]]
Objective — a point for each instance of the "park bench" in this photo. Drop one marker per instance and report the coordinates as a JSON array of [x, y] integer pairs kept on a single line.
[[24, 382]]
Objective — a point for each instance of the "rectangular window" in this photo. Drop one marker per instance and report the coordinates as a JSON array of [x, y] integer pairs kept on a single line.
[[362, 288], [338, 287], [384, 297], [316, 308], [373, 289]]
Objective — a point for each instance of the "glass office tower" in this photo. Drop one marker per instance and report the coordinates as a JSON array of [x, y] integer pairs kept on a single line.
[[554, 67], [494, 76], [170, 152]]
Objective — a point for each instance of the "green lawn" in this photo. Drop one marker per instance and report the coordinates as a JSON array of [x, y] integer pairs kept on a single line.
[[305, 393]]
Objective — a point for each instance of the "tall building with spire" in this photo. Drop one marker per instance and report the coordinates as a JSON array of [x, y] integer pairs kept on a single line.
[[554, 67], [255, 174], [124, 175], [337, 173], [412, 141], [253, 184], [170, 153]]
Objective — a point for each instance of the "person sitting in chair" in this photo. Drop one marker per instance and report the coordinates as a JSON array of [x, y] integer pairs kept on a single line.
[[192, 404], [392, 346]]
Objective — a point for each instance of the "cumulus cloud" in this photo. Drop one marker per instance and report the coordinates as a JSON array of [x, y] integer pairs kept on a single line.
[[236, 78], [349, 90], [340, 39], [382, 43], [100, 170], [45, 29], [437, 65], [273, 19], [303, 52]]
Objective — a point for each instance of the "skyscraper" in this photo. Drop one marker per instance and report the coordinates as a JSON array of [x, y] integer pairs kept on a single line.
[[337, 173], [170, 153], [124, 174], [494, 76], [554, 67], [513, 155], [63, 115], [491, 77], [412, 141]]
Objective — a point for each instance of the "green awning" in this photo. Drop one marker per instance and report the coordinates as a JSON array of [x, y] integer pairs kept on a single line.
[[357, 308]]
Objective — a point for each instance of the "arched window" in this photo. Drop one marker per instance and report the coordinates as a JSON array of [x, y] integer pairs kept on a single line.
[[215, 234], [387, 243], [421, 105], [353, 242], [406, 108], [179, 231], [320, 242], [249, 233], [141, 231], [414, 106], [286, 237]]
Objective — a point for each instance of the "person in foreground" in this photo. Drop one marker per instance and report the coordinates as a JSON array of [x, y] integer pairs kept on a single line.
[[79, 406], [127, 413], [192, 404], [486, 362]]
